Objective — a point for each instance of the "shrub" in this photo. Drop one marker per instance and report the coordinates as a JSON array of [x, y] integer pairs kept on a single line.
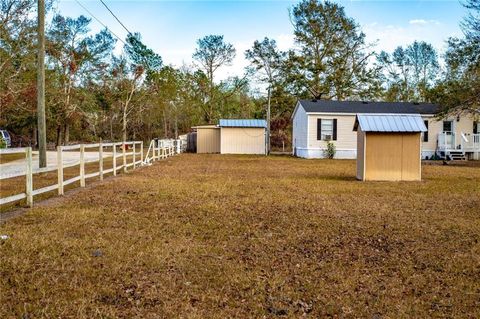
[[3, 144], [330, 151]]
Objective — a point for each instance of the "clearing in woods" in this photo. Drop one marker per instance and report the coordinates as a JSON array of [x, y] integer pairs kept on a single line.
[[211, 236]]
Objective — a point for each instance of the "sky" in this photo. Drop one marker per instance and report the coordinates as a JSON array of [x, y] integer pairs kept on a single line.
[[171, 28]]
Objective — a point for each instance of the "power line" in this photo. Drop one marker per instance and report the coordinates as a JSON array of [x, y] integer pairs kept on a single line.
[[116, 18], [98, 20]]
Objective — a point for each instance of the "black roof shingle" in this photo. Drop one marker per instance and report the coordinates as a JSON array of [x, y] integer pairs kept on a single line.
[[328, 106]]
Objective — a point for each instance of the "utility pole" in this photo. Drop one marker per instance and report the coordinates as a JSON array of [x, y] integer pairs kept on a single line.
[[268, 119], [41, 122]]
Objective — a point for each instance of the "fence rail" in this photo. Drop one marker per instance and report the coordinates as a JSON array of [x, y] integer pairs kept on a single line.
[[129, 159]]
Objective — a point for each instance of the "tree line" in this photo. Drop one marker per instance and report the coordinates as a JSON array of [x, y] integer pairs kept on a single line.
[[93, 93]]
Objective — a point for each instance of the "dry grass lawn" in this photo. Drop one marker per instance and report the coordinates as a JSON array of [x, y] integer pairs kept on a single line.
[[6, 158], [211, 236]]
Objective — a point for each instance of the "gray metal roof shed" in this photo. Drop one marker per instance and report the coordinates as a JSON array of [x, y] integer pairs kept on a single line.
[[389, 123], [243, 123]]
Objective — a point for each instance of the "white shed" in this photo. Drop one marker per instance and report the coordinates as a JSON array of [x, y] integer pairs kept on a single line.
[[243, 136]]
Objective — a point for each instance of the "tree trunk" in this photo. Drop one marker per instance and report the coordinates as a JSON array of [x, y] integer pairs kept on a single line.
[[165, 124], [124, 127], [111, 128], [66, 133], [176, 127], [59, 135], [34, 136]]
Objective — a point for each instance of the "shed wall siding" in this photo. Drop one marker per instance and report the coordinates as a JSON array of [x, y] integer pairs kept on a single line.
[[392, 157], [208, 140], [242, 140], [300, 123], [360, 154]]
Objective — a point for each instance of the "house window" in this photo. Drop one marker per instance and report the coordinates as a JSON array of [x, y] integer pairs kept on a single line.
[[327, 130], [425, 134], [447, 126], [476, 127]]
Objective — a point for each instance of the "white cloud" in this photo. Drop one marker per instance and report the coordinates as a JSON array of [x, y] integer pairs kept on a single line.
[[418, 22], [388, 37], [423, 22], [284, 41]]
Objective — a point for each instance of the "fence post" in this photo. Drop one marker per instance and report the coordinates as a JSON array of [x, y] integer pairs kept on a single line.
[[141, 153], [114, 159], [153, 150], [124, 146], [29, 177], [82, 165], [100, 160], [60, 169], [133, 155]]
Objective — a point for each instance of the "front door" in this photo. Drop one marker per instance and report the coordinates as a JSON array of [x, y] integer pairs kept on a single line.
[[449, 134]]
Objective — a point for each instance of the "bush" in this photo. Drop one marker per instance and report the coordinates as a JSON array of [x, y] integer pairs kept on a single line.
[[3, 144], [330, 151]]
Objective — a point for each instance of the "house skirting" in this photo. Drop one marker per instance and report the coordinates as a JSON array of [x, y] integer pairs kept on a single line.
[[320, 153], [343, 153], [426, 154]]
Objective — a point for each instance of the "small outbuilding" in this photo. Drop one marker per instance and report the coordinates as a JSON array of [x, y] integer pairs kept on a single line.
[[243, 136], [232, 137], [389, 147], [208, 139]]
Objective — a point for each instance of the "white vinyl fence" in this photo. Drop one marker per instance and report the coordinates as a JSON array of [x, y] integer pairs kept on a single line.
[[159, 149], [125, 156]]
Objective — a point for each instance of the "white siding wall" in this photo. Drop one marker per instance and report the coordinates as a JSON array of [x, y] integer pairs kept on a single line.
[[242, 140], [435, 126], [299, 138], [346, 142]]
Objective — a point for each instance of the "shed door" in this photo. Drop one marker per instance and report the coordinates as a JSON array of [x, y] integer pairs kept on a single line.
[[392, 157]]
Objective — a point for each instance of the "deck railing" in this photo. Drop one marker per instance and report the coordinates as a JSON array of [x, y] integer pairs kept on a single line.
[[466, 142], [131, 154], [447, 141], [471, 142]]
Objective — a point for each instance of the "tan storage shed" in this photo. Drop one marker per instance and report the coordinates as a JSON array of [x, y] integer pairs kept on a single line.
[[243, 137], [208, 139], [389, 147]]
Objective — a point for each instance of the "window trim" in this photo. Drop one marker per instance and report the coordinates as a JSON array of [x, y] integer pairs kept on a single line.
[[452, 129]]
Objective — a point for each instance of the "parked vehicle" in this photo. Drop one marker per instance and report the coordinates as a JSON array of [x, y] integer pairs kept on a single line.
[[5, 140]]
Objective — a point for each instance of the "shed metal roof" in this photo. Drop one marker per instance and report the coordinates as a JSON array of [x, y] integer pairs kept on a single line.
[[389, 123], [205, 126], [329, 106], [243, 123]]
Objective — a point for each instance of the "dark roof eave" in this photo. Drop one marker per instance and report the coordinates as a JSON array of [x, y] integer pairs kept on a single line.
[[353, 107]]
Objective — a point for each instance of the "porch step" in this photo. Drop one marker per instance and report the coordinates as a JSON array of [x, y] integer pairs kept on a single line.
[[452, 155], [456, 155]]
